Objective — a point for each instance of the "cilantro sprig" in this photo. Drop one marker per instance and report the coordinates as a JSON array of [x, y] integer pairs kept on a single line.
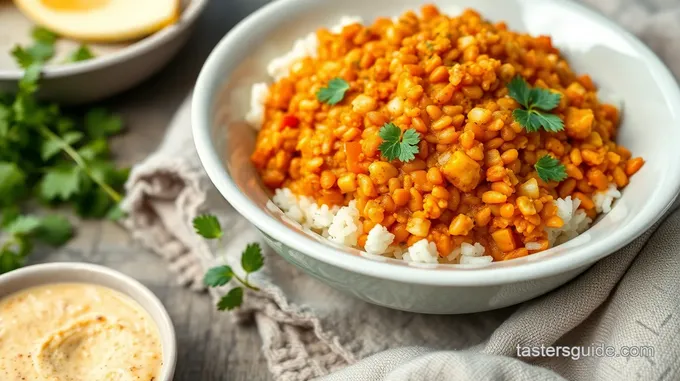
[[208, 227], [334, 92], [56, 158], [550, 169], [398, 145], [43, 49], [537, 103]]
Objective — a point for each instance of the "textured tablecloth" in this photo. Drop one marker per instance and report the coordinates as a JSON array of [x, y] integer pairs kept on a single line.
[[630, 298]]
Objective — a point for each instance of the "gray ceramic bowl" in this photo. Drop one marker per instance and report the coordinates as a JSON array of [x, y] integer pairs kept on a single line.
[[110, 73], [616, 60], [70, 272]]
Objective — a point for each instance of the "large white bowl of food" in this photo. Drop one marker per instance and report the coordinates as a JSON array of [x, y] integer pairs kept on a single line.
[[441, 158]]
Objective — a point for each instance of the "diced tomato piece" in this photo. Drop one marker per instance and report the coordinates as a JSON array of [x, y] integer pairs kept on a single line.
[[289, 121], [353, 153]]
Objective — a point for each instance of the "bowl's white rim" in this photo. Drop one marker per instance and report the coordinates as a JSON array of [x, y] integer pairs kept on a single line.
[[187, 18], [150, 301], [202, 104]]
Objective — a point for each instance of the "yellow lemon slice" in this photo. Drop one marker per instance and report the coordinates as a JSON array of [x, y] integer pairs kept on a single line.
[[101, 20]]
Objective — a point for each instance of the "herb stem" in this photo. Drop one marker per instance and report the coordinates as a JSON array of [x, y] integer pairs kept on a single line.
[[115, 196], [245, 282]]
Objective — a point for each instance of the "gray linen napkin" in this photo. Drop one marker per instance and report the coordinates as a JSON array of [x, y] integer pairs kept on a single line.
[[308, 330]]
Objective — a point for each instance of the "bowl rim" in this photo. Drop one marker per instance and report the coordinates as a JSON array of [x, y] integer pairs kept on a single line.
[[206, 88], [138, 48], [150, 301]]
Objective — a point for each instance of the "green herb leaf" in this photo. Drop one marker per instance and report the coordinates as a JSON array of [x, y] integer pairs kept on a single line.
[[96, 149], [23, 58], [550, 169], [41, 51], [536, 102], [519, 90], [60, 183], [10, 260], [115, 213], [83, 53], [100, 123], [28, 84], [43, 35], [233, 299], [54, 230], [544, 99], [12, 180], [9, 214], [334, 92], [252, 259], [396, 145], [218, 276], [207, 226], [23, 225], [53, 147]]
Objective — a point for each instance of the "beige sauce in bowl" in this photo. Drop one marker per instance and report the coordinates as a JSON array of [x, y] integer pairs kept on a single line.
[[77, 332]]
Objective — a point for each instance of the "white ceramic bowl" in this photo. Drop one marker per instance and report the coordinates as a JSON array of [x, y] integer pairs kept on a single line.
[[70, 272], [107, 74], [616, 60]]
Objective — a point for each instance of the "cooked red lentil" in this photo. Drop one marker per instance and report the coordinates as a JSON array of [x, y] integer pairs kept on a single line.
[[473, 179]]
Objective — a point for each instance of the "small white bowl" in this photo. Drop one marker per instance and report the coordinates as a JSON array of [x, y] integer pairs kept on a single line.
[[115, 70], [617, 61], [71, 272]]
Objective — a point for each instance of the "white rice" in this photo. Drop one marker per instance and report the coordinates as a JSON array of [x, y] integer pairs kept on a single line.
[[422, 251], [603, 200], [258, 96], [379, 239]]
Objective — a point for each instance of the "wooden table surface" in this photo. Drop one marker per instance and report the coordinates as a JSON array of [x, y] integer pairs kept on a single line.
[[210, 346]]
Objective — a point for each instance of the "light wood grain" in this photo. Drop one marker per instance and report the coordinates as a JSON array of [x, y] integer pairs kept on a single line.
[[211, 347]]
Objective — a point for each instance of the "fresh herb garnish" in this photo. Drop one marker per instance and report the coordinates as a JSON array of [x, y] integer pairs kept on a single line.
[[537, 103], [550, 169], [83, 53], [208, 226], [396, 145], [56, 158], [41, 50], [334, 92]]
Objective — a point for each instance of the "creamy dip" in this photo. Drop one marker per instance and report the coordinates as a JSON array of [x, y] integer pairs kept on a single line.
[[76, 332]]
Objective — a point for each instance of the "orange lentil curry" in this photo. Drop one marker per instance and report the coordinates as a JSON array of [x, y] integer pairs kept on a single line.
[[473, 178]]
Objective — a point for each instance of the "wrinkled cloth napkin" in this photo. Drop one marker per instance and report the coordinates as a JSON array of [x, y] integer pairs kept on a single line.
[[308, 330]]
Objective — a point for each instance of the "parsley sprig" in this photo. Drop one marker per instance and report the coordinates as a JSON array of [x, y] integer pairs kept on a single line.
[[398, 145], [207, 226], [550, 169], [334, 92], [43, 49], [56, 158], [537, 103]]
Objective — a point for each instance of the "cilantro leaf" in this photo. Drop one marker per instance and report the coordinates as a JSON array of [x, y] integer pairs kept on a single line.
[[23, 58], [93, 203], [54, 230], [9, 214], [550, 169], [53, 147], [519, 90], [233, 299], [536, 102], [83, 53], [29, 82], [10, 260], [334, 92], [97, 148], [115, 213], [12, 180], [41, 51], [207, 226], [550, 122], [397, 146], [218, 276], [100, 123], [23, 225], [43, 35], [544, 99], [60, 183], [252, 259]]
